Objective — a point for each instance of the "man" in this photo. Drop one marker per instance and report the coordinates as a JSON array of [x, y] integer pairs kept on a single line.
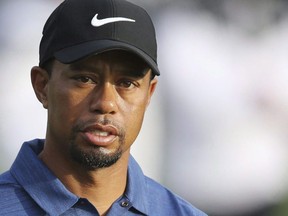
[[96, 77]]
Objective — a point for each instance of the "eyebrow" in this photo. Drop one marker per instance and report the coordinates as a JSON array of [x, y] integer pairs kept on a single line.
[[79, 66], [125, 71]]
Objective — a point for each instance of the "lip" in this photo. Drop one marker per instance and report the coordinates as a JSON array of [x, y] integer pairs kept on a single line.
[[100, 135]]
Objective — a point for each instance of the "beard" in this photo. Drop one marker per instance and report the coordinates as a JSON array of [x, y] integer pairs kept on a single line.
[[95, 157]]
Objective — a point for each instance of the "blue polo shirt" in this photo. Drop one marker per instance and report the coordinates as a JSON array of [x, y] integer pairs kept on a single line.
[[30, 188]]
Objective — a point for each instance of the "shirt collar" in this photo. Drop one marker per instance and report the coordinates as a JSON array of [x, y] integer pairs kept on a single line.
[[136, 189], [39, 182], [52, 196]]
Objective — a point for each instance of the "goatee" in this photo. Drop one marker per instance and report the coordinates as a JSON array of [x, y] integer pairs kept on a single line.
[[95, 157]]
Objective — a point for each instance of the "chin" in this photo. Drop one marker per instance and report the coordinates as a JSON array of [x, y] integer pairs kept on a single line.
[[95, 158]]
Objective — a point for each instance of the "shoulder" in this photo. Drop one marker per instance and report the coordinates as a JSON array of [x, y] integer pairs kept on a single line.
[[162, 199], [14, 200], [156, 199], [7, 182]]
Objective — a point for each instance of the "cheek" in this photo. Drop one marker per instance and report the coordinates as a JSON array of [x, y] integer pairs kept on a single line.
[[133, 118], [63, 109]]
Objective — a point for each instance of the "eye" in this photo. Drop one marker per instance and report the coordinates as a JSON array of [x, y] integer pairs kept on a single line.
[[84, 79], [126, 84]]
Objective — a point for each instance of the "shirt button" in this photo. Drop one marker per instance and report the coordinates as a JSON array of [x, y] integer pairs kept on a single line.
[[125, 204]]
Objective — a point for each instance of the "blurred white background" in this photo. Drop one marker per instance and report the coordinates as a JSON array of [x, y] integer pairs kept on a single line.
[[215, 132]]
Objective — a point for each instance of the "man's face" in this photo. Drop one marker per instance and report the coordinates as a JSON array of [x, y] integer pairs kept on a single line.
[[96, 107]]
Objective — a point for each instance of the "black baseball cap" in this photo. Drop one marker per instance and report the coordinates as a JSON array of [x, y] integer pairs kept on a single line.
[[80, 28]]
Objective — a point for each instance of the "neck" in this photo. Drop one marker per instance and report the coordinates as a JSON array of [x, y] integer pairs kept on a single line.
[[101, 186]]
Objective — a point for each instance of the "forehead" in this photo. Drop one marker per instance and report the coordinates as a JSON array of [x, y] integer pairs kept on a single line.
[[119, 60]]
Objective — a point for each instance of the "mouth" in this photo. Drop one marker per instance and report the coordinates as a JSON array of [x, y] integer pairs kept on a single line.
[[100, 135]]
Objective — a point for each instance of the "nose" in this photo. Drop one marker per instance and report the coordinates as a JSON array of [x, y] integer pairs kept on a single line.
[[104, 99]]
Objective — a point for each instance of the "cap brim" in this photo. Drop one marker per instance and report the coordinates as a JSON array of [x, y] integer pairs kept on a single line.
[[80, 51]]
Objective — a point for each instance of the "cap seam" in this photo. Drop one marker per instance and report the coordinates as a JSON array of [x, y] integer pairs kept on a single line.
[[59, 12], [58, 21], [114, 11]]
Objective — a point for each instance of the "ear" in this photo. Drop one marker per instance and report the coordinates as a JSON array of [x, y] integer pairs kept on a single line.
[[152, 87], [39, 80]]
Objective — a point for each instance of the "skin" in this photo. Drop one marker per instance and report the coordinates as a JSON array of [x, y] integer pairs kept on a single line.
[[106, 92]]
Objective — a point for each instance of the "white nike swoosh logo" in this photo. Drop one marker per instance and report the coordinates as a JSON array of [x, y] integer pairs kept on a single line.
[[100, 22]]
